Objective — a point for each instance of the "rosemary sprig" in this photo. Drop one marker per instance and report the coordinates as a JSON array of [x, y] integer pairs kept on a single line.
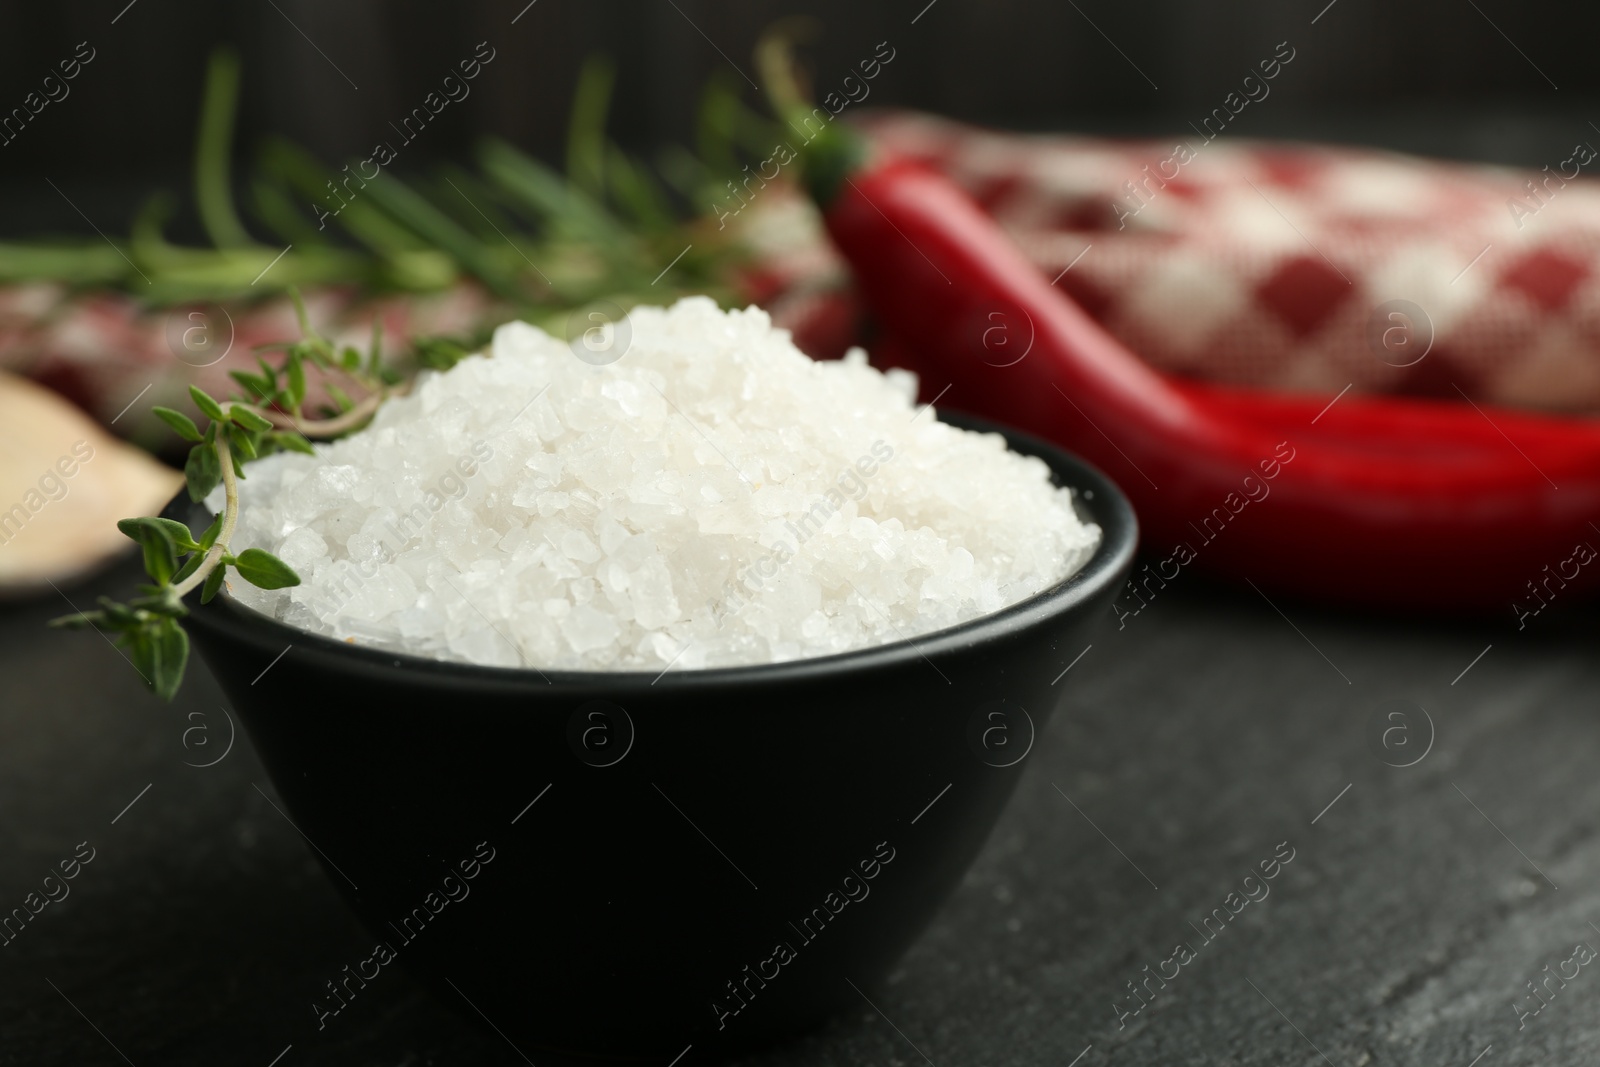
[[543, 242]]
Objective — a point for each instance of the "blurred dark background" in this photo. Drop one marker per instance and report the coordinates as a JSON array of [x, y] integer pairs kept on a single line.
[[1469, 79]]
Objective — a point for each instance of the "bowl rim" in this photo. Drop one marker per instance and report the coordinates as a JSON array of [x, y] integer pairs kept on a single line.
[[1107, 506]]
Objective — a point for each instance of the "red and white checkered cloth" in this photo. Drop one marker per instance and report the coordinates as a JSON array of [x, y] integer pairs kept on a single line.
[[1267, 264]]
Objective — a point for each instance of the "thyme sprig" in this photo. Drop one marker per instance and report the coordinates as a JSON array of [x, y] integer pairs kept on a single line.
[[268, 416]]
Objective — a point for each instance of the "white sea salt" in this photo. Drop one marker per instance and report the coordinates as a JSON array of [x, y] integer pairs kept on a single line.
[[712, 498]]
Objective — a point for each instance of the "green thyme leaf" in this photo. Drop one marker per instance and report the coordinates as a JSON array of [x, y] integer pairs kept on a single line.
[[82, 620], [141, 648], [117, 616], [209, 538], [180, 422], [171, 646], [249, 418], [438, 353], [159, 650], [160, 601], [270, 373], [203, 471], [160, 554], [243, 442], [190, 565], [264, 570], [182, 539], [295, 371], [255, 384], [291, 441], [208, 407], [213, 583]]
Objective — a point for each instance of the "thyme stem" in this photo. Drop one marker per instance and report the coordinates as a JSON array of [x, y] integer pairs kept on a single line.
[[337, 425], [230, 517]]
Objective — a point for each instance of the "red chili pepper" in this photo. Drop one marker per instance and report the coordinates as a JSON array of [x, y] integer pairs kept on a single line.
[[1403, 503]]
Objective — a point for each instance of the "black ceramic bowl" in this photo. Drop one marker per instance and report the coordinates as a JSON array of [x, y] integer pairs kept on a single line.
[[621, 865]]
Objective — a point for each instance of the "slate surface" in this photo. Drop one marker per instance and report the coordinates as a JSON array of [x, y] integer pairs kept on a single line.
[[1189, 746]]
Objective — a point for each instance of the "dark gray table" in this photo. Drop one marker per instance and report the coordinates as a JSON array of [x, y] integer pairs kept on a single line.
[[1189, 745]]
